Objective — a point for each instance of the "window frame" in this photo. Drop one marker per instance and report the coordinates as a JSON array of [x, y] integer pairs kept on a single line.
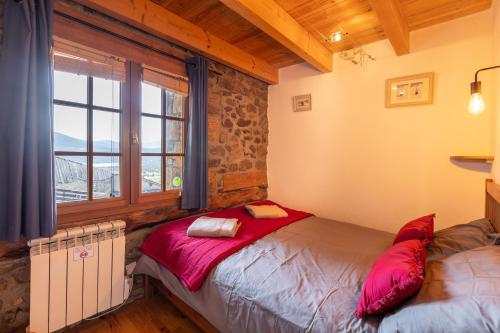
[[131, 197], [137, 197], [163, 154], [161, 57], [73, 207]]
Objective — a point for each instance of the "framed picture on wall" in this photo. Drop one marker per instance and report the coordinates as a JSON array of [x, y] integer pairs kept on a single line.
[[409, 90], [302, 103]]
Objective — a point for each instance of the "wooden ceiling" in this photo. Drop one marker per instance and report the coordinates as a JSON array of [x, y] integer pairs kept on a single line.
[[320, 17], [218, 19], [260, 36]]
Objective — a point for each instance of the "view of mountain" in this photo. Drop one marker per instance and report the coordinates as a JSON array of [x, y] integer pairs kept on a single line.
[[63, 142]]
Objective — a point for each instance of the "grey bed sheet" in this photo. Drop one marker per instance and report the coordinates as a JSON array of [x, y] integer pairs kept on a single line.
[[460, 294], [461, 290], [305, 277]]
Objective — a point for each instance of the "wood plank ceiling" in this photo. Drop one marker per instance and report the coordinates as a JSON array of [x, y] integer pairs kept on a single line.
[[321, 18], [260, 36]]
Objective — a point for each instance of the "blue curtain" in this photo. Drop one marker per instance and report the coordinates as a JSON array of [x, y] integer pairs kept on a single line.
[[195, 182], [27, 195]]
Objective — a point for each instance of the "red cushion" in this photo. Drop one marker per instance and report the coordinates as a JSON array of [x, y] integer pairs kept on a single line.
[[421, 228], [396, 275]]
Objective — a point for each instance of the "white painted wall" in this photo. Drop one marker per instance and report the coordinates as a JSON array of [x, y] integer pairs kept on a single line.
[[352, 160]]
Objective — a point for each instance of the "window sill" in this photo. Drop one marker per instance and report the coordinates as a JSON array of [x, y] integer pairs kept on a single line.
[[159, 196], [81, 213], [66, 208]]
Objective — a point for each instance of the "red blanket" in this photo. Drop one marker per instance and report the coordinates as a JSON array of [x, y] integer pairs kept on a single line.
[[192, 259]]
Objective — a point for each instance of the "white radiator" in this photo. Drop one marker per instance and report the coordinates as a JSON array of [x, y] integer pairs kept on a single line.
[[76, 274]]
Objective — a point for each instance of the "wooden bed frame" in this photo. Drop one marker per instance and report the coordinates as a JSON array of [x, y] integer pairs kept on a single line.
[[492, 211], [492, 207], [151, 285]]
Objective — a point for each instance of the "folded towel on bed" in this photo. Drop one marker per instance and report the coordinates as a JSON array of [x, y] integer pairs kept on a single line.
[[213, 227], [266, 211]]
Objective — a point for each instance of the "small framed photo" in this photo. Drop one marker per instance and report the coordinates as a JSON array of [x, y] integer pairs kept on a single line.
[[409, 90], [302, 103]]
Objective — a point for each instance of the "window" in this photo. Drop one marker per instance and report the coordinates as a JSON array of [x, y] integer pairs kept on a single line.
[[87, 113], [162, 132], [100, 131]]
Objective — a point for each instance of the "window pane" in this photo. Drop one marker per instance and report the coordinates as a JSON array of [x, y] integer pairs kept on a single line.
[[70, 128], [71, 178], [106, 172], [173, 172], [70, 87], [174, 136], [151, 99], [106, 132], [151, 174], [106, 93], [175, 104], [151, 134]]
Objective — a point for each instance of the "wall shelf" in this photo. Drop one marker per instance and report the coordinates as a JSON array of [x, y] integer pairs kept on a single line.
[[470, 158]]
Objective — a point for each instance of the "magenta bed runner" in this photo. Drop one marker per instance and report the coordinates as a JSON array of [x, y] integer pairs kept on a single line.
[[192, 259]]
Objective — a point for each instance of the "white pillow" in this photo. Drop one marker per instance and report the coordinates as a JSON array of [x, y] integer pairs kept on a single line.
[[266, 211]]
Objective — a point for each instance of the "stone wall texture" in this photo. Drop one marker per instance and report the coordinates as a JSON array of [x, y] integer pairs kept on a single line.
[[237, 142], [14, 291], [237, 136]]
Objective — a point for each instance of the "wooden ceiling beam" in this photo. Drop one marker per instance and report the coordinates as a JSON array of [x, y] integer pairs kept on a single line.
[[153, 18], [273, 20], [395, 26]]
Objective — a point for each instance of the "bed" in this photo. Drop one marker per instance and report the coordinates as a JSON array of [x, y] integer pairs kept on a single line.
[[307, 277]]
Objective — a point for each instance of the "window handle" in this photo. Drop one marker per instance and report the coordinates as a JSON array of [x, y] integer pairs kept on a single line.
[[135, 139]]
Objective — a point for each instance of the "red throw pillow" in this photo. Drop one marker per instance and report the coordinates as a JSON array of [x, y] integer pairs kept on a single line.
[[421, 228], [396, 275]]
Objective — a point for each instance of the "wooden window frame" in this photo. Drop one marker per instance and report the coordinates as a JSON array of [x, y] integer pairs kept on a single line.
[[136, 154], [103, 203], [131, 200]]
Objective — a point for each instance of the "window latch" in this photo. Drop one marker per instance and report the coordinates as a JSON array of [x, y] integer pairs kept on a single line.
[[135, 139]]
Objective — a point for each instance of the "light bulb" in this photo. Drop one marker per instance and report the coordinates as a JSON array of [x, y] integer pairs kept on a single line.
[[476, 104], [337, 37]]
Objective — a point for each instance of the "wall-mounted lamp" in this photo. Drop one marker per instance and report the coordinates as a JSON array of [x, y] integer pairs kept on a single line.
[[476, 102]]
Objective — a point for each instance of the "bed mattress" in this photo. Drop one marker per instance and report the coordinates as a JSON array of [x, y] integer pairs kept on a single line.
[[305, 277]]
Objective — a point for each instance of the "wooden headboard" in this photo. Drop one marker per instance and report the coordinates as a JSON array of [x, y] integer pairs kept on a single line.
[[492, 208]]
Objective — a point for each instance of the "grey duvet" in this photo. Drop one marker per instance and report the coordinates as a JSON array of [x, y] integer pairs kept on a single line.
[[461, 290], [307, 277]]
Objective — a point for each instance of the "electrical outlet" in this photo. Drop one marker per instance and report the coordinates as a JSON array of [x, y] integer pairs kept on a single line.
[[129, 284], [130, 268]]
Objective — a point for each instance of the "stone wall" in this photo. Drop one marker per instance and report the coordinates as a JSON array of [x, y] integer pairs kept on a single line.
[[237, 143], [237, 136], [14, 291]]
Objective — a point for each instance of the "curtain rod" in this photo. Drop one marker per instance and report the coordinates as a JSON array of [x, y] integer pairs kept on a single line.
[[176, 77], [130, 40]]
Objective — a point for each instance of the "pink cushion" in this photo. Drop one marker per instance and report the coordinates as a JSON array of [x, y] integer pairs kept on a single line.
[[421, 228], [396, 275]]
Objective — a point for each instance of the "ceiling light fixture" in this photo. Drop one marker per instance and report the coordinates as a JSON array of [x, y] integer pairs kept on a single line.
[[336, 37], [476, 102]]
